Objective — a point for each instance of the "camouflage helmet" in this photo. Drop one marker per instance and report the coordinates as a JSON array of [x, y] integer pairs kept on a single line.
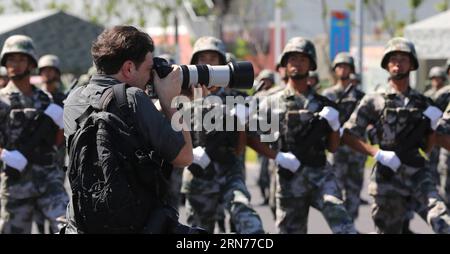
[[437, 72], [168, 58], [3, 72], [344, 58], [299, 45], [230, 57], [400, 44], [209, 43], [264, 74], [49, 61], [19, 44], [313, 74]]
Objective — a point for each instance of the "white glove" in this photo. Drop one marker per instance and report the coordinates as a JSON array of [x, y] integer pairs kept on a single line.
[[332, 117], [341, 132], [14, 159], [55, 112], [241, 112], [288, 161], [200, 157], [388, 159], [434, 114]]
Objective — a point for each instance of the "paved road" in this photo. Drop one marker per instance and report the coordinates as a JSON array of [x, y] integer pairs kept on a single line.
[[316, 222]]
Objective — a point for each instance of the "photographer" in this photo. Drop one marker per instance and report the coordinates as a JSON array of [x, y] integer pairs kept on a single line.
[[123, 54]]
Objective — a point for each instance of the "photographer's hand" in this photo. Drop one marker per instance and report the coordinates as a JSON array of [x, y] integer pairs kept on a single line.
[[199, 90], [167, 89]]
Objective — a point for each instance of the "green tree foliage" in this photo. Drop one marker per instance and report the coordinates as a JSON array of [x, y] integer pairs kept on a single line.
[[442, 6], [23, 5], [414, 5]]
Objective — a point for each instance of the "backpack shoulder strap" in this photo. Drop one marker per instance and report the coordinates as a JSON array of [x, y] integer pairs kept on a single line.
[[120, 96], [105, 99]]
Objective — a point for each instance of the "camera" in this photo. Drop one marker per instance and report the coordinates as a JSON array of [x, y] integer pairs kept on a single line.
[[238, 75]]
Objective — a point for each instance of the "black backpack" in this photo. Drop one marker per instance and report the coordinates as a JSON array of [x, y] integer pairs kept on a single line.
[[116, 182]]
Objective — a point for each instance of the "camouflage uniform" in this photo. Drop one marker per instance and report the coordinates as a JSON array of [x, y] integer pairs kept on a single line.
[[442, 99], [174, 197], [412, 187], [264, 174], [58, 97], [39, 186], [311, 185], [400, 126], [268, 171], [314, 183], [348, 164], [444, 160], [437, 95], [224, 182]]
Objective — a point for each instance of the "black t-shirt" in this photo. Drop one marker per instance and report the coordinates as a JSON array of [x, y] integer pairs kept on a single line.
[[152, 126]]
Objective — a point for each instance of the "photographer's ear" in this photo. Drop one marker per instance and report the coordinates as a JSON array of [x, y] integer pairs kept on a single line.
[[128, 69]]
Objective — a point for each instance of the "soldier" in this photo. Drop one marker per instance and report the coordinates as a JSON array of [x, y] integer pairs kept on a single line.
[[3, 77], [404, 121], [30, 179], [309, 125], [313, 80], [204, 193], [348, 165], [438, 77], [50, 72], [443, 140], [263, 84], [442, 96]]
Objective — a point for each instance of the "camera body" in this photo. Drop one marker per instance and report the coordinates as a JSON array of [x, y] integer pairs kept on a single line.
[[234, 75]]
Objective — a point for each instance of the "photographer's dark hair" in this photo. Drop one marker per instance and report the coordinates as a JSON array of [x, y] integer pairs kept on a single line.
[[116, 45]]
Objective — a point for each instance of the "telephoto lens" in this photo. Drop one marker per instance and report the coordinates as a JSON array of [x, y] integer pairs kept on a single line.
[[238, 75]]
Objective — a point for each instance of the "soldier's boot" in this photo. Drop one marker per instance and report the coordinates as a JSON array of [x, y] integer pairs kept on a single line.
[[264, 195], [406, 230], [232, 227], [221, 224], [40, 227]]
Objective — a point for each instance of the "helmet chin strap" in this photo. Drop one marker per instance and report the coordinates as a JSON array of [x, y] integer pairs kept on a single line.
[[400, 76], [21, 76]]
